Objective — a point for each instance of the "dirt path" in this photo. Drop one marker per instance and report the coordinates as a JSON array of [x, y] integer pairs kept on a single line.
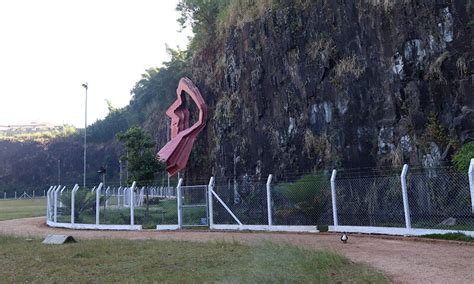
[[402, 260]]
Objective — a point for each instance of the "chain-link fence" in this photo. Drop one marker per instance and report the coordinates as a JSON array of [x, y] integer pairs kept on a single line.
[[302, 201], [244, 197], [155, 206], [394, 201], [102, 207], [369, 199], [28, 193], [426, 200], [194, 205], [440, 199]]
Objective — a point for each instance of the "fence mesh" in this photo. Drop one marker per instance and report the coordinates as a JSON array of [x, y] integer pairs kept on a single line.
[[194, 204], [370, 201], [64, 207], [440, 199], [27, 193], [152, 206], [302, 201], [85, 206], [246, 198], [114, 206]]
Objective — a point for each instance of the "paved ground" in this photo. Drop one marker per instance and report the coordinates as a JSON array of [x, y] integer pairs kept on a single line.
[[403, 260]]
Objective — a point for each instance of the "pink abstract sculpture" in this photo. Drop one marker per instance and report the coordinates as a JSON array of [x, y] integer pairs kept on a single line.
[[176, 152]]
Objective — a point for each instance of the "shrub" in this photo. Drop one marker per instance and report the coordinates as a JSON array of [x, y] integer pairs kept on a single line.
[[308, 195], [463, 157], [84, 202]]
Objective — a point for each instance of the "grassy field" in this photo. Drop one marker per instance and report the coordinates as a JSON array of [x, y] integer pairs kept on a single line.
[[22, 208], [170, 261]]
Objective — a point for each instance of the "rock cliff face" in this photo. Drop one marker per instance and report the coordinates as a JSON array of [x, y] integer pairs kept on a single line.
[[337, 84]]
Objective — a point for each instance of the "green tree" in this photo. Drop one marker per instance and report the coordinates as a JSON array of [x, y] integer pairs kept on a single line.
[[201, 16], [142, 161], [156, 90]]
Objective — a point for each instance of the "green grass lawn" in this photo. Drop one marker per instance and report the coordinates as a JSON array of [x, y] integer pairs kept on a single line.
[[22, 208], [170, 261]]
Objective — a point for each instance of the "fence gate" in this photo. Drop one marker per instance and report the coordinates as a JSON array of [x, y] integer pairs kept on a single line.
[[193, 206]]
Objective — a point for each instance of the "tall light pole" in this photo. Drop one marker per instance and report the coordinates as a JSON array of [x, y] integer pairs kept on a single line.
[[120, 169], [167, 140], [86, 86], [59, 171]]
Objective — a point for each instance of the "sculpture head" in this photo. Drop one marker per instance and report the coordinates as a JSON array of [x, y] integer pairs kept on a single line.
[[176, 152]]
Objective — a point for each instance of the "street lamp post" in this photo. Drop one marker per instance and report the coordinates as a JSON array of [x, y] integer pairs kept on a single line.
[[59, 171], [120, 169], [86, 86]]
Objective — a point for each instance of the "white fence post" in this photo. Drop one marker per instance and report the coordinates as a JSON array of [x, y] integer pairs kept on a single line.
[[73, 202], [333, 196], [118, 196], [48, 204], [179, 201], [97, 203], [210, 188], [126, 196], [269, 201], [60, 197], [107, 197], [471, 183], [55, 196], [132, 207], [406, 207]]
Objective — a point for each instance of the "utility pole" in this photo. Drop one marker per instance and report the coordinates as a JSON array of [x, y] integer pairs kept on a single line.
[[86, 86], [127, 166], [167, 140], [59, 171], [120, 171]]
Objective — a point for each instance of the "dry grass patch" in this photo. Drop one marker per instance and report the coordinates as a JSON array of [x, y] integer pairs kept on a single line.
[[349, 66]]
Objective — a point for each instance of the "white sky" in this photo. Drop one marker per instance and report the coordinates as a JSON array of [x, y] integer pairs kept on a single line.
[[48, 48]]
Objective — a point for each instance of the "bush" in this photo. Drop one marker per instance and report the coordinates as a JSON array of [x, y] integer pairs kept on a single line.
[[463, 157], [84, 203], [307, 196]]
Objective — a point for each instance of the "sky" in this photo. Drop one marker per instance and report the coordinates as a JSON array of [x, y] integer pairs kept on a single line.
[[49, 48]]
